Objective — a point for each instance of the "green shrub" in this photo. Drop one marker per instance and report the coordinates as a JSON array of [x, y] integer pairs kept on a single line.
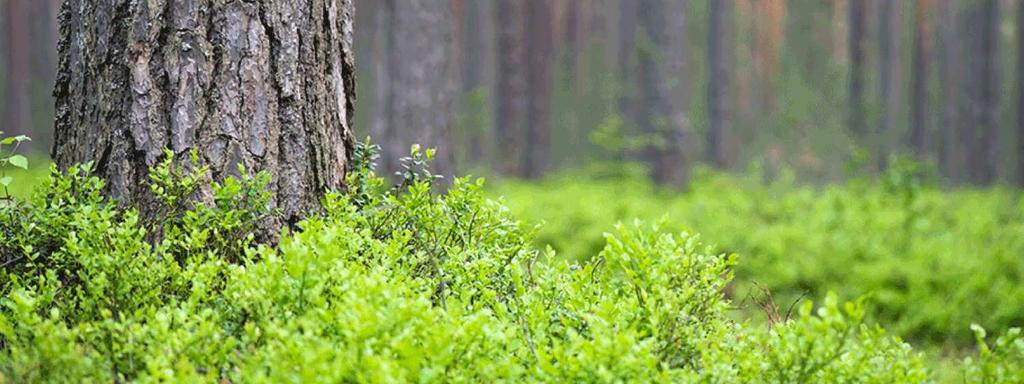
[[388, 285], [931, 262], [1000, 362]]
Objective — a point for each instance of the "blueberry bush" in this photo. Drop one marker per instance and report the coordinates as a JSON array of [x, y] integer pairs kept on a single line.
[[398, 284]]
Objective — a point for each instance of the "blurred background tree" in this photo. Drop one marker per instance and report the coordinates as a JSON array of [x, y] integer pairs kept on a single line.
[[28, 62], [826, 88]]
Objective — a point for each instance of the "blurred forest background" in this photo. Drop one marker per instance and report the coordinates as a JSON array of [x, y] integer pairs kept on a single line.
[[826, 88]]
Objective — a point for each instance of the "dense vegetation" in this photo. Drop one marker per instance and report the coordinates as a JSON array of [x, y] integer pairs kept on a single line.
[[931, 262], [396, 284]]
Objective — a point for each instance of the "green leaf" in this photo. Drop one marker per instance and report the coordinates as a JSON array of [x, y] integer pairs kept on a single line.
[[18, 161], [6, 180], [12, 140]]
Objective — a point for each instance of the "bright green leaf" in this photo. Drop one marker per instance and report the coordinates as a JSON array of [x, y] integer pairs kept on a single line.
[[18, 161]]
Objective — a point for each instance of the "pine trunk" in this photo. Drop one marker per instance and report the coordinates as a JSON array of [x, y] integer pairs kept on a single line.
[[662, 107], [890, 81], [625, 63], [422, 89], [981, 87], [950, 67], [18, 118], [511, 88], [719, 80], [473, 50], [265, 84], [1020, 93], [540, 60], [855, 120], [919, 88]]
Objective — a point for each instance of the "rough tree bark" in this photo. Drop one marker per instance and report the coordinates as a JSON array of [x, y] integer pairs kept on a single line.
[[266, 84], [661, 85], [18, 118], [720, 67]]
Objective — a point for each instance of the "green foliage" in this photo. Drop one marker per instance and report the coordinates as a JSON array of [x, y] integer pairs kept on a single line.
[[1000, 362], [388, 285], [222, 229], [932, 262], [10, 159]]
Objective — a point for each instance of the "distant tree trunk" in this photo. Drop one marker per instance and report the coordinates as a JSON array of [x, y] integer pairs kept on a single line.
[[921, 67], [578, 37], [575, 29], [18, 120], [474, 47], [540, 59], [855, 120], [626, 58], [511, 88], [662, 106], [1020, 93], [380, 123], [890, 80], [981, 89], [268, 85], [840, 30], [422, 88], [473, 51], [44, 38], [44, 68], [770, 35], [950, 67], [720, 66]]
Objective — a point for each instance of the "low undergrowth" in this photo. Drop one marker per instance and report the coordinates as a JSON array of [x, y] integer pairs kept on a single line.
[[396, 284], [931, 262]]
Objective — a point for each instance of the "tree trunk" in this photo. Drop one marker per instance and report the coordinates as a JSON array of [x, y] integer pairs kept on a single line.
[[473, 45], [770, 37], [266, 84], [719, 79], [380, 122], [840, 28], [540, 59], [919, 88], [1020, 93], [626, 58], [950, 152], [981, 89], [511, 87], [18, 119], [421, 76], [473, 50], [889, 75], [858, 19], [662, 107]]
